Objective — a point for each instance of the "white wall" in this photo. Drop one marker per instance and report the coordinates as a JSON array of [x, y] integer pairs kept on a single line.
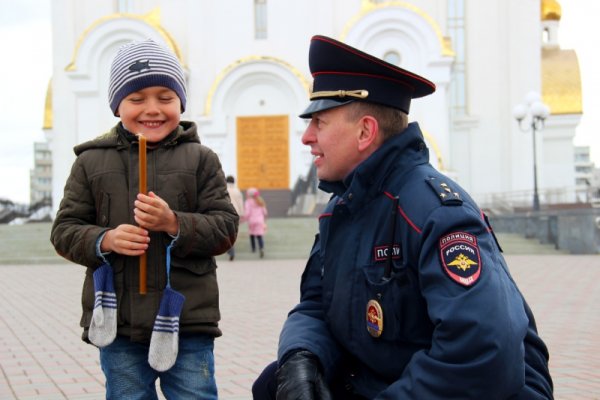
[[485, 151]]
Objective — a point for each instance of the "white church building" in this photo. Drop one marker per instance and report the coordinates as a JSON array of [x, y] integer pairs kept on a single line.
[[247, 71]]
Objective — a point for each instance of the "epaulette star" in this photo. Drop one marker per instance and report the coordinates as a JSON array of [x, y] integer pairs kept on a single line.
[[446, 194]]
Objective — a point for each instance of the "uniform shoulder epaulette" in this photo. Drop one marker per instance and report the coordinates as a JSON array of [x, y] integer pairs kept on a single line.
[[447, 195]]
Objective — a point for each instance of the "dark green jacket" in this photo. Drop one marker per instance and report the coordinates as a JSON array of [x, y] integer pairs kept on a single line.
[[99, 196]]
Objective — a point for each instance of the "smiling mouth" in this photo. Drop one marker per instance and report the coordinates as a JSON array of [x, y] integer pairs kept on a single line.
[[151, 124]]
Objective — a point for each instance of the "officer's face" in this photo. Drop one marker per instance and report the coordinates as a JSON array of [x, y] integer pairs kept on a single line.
[[332, 138]]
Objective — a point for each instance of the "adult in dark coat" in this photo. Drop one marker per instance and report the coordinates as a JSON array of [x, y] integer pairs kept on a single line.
[[406, 294]]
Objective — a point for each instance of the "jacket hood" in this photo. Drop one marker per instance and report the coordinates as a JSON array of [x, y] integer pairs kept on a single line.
[[119, 137]]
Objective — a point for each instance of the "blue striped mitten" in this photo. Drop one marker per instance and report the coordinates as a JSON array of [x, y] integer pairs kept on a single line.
[[164, 342], [103, 327]]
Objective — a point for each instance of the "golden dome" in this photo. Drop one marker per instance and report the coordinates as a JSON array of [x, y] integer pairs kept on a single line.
[[561, 81], [551, 10]]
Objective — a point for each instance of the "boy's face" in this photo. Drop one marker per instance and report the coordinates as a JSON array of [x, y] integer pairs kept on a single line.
[[154, 112]]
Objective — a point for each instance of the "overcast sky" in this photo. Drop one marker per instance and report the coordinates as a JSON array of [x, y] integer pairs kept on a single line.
[[26, 68]]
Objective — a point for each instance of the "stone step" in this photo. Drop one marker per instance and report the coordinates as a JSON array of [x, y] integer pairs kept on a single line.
[[278, 202], [513, 243], [286, 238]]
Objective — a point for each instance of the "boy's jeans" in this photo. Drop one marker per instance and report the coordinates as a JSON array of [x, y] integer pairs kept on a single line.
[[129, 376]]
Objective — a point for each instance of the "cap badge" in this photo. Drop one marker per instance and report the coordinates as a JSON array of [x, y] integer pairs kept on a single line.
[[374, 318], [359, 94]]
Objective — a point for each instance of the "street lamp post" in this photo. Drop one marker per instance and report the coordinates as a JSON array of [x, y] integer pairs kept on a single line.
[[531, 116]]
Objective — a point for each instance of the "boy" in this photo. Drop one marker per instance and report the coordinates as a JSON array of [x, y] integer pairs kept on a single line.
[[185, 220]]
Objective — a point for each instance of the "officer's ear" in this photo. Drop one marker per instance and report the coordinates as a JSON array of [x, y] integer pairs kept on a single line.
[[369, 132]]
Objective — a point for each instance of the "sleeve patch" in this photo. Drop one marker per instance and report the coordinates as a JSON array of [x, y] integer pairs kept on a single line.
[[460, 257]]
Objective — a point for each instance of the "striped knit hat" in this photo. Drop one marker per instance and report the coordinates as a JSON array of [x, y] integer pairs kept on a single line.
[[139, 65]]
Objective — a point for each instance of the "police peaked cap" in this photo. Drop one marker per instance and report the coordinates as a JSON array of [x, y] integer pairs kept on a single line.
[[342, 74]]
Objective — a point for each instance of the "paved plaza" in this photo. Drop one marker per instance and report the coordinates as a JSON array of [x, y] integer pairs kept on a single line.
[[42, 356]]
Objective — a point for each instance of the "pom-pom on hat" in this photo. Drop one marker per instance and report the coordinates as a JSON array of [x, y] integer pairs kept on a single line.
[[142, 64], [342, 74]]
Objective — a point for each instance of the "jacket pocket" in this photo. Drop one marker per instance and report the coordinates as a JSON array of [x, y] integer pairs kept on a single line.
[[188, 274], [183, 202], [103, 210], [197, 281], [199, 266]]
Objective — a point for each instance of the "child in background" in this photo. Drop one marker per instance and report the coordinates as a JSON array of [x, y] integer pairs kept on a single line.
[[255, 213], [186, 219]]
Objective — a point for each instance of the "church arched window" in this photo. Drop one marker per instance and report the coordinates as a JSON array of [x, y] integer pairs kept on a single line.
[[393, 57], [260, 19]]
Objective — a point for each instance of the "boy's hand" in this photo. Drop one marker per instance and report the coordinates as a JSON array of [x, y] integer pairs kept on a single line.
[[126, 239], [153, 213]]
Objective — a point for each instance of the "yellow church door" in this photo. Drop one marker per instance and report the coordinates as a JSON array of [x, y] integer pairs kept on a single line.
[[263, 152]]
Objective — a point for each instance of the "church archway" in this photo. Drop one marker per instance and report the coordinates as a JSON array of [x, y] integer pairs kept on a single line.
[[256, 89], [90, 66], [400, 28]]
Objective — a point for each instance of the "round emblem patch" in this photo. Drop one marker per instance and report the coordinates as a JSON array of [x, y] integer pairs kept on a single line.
[[374, 318], [460, 257]]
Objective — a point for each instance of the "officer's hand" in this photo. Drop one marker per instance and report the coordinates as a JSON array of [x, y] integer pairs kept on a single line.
[[300, 378]]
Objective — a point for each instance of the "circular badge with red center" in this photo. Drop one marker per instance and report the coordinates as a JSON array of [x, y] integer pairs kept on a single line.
[[374, 318]]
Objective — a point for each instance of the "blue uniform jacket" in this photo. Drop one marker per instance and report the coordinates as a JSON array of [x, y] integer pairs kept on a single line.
[[453, 322]]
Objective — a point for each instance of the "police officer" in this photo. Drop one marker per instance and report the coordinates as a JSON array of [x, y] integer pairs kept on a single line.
[[406, 294]]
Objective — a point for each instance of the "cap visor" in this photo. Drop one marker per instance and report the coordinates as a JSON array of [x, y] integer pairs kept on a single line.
[[322, 105]]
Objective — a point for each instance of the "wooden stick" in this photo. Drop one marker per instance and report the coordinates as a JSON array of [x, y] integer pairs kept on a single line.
[[143, 189]]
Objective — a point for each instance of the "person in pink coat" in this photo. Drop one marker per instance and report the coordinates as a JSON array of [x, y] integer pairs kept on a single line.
[[255, 213]]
